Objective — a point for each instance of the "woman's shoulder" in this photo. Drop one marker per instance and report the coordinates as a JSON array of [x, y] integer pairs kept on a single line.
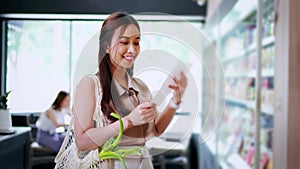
[[48, 111], [87, 80], [86, 86], [88, 77], [138, 80]]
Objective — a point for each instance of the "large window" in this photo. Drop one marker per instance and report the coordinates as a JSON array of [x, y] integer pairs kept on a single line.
[[37, 63], [44, 57]]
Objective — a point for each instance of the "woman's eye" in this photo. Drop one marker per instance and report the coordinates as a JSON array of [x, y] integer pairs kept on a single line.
[[125, 43], [136, 43]]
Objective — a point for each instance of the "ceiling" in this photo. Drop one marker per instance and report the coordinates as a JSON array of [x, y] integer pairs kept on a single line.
[[173, 7]]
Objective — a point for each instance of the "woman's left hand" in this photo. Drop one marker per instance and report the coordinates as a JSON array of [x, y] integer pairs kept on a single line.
[[179, 87]]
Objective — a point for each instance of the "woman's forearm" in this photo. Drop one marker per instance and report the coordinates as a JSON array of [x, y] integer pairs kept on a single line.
[[93, 138], [163, 120]]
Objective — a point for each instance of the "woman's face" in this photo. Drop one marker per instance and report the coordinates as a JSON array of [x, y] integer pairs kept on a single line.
[[66, 102], [124, 47]]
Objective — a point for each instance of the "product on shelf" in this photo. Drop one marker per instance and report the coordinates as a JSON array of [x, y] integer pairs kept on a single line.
[[264, 161]]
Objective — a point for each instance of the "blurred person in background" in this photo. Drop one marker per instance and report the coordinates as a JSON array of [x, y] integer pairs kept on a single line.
[[52, 120]]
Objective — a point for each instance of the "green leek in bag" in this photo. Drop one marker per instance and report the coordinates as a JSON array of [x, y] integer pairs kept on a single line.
[[108, 149]]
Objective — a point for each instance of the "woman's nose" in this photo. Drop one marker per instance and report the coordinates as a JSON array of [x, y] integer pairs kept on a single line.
[[131, 49]]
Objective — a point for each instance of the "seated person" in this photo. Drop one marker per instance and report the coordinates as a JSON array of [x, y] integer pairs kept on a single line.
[[51, 119]]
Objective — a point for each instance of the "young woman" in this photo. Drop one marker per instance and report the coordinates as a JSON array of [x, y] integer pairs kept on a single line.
[[51, 119], [120, 93]]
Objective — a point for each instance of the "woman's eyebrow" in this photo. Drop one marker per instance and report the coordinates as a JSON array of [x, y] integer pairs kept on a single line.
[[127, 37]]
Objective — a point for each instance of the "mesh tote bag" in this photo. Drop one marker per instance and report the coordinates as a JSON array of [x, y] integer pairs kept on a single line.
[[69, 157]]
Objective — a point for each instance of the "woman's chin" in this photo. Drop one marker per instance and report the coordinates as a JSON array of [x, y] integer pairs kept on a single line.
[[125, 66]]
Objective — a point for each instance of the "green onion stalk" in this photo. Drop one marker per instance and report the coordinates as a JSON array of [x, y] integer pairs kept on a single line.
[[108, 150]]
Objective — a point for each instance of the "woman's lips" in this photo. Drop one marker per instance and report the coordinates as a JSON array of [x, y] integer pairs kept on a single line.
[[129, 58]]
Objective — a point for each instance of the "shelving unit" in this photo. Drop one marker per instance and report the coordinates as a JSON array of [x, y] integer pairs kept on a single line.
[[265, 73], [265, 42], [266, 109], [234, 142]]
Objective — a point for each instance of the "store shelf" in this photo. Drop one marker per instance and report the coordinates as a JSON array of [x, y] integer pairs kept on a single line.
[[233, 58], [236, 101], [267, 73], [266, 109], [211, 144], [224, 164], [240, 75], [265, 42], [268, 41], [237, 161], [252, 74]]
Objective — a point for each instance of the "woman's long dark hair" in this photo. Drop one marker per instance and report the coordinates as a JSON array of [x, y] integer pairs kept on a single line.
[[59, 99], [111, 24]]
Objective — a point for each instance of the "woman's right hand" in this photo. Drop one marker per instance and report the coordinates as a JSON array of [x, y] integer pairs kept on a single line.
[[143, 113]]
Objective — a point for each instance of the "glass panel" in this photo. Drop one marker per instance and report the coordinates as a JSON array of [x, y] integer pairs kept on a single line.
[[37, 64], [84, 37], [235, 39]]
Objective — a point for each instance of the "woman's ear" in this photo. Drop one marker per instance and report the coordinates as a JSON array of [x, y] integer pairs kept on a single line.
[[107, 50]]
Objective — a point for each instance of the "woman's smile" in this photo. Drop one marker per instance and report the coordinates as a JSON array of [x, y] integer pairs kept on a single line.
[[129, 58]]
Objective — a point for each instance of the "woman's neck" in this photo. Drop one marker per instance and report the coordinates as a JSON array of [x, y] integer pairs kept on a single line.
[[120, 76]]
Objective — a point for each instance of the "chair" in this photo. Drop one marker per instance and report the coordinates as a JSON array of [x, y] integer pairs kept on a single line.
[[178, 161], [40, 154]]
